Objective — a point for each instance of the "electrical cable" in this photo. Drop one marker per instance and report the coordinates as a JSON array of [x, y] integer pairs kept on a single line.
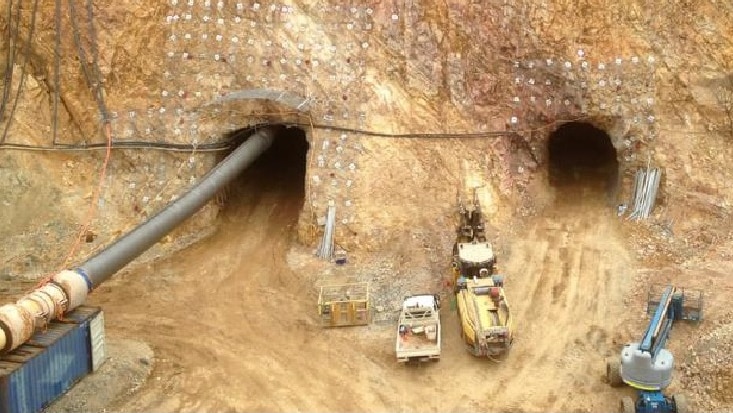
[[227, 144], [107, 127], [167, 147], [26, 57], [92, 207], [12, 39], [9, 18], [57, 71], [7, 74], [77, 42], [83, 57], [95, 201], [211, 147], [95, 63]]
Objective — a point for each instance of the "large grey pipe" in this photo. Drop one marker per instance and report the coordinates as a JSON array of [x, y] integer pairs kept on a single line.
[[114, 257], [68, 289]]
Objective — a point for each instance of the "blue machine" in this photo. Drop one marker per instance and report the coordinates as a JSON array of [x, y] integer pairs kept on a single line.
[[647, 366]]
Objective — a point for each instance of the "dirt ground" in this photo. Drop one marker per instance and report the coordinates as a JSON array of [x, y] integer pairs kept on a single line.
[[234, 327], [232, 320]]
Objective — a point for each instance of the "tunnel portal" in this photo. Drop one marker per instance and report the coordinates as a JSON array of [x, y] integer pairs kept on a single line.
[[581, 155], [279, 173]]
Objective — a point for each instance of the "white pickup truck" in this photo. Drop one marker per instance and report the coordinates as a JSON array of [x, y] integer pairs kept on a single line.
[[418, 331]]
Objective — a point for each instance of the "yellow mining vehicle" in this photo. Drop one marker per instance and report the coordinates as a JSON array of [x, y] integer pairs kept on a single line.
[[483, 311], [484, 314]]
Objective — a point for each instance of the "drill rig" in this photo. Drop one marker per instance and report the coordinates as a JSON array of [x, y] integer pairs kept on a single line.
[[473, 255], [647, 366], [483, 311]]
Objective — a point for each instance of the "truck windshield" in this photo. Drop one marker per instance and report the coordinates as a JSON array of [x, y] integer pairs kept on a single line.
[[471, 269]]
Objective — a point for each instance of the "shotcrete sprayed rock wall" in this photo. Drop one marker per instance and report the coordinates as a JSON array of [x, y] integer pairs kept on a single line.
[[504, 73]]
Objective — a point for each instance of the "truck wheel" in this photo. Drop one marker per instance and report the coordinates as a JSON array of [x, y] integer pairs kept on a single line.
[[613, 373], [627, 405], [680, 403]]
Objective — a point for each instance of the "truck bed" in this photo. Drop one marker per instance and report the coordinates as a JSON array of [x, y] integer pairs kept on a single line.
[[416, 344], [415, 341], [486, 320], [486, 314]]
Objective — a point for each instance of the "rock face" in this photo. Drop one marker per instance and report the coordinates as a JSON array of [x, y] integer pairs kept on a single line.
[[188, 72], [708, 371]]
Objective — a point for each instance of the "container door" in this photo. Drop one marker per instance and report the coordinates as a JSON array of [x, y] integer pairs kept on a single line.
[[96, 330]]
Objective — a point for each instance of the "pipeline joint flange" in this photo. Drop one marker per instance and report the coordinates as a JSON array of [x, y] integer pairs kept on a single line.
[[75, 285]]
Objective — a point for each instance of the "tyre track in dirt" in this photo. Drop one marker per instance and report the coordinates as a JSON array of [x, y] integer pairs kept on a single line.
[[237, 331], [234, 328], [566, 277]]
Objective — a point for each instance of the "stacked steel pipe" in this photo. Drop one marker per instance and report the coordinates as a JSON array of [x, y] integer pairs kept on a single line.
[[646, 185]]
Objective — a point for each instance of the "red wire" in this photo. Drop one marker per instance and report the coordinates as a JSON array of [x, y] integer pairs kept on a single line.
[[92, 206]]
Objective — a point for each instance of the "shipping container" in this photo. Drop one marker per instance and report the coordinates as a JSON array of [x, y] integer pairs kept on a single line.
[[50, 363], [96, 331]]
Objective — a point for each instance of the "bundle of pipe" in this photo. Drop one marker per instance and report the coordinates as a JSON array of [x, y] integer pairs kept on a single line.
[[325, 249], [69, 288], [646, 185]]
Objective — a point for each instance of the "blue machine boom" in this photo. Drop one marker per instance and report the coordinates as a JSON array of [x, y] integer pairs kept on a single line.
[[647, 365], [657, 332]]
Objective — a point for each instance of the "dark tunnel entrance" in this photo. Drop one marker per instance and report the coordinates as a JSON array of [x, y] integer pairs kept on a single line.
[[275, 181], [581, 155]]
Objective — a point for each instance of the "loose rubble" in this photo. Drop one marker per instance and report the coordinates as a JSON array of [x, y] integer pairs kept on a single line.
[[707, 372]]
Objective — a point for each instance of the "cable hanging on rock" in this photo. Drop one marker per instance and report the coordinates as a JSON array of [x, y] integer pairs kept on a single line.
[[226, 145], [26, 57], [93, 82], [56, 71], [95, 64], [10, 44]]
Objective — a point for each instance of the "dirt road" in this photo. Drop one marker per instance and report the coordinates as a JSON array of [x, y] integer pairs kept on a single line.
[[233, 326], [567, 276]]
